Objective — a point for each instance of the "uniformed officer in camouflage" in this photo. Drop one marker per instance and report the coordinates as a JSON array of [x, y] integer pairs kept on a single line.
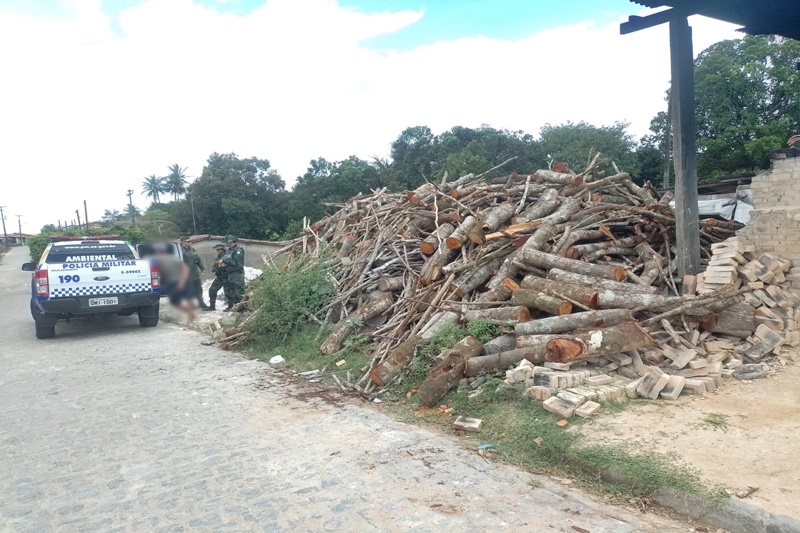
[[196, 267], [233, 264], [220, 276]]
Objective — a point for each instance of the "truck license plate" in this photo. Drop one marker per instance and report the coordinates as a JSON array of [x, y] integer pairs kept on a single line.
[[97, 302]]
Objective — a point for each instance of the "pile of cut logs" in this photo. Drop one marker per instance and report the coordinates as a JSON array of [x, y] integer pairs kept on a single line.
[[576, 268]]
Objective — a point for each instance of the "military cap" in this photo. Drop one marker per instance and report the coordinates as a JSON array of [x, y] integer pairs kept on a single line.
[[219, 246], [229, 238]]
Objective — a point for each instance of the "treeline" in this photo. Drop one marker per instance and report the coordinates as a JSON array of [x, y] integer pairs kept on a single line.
[[247, 197], [748, 97]]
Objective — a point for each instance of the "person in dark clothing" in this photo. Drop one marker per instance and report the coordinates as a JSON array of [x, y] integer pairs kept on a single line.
[[233, 264], [220, 278], [196, 268]]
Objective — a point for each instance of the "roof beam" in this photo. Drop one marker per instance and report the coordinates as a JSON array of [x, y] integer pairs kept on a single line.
[[636, 23]]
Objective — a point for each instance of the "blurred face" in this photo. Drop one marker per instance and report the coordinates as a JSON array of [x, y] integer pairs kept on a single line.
[[184, 244], [230, 244]]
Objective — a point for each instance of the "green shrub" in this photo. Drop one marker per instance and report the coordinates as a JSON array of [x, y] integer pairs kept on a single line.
[[285, 299], [483, 331]]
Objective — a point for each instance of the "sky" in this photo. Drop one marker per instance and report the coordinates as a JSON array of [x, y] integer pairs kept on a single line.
[[97, 94]]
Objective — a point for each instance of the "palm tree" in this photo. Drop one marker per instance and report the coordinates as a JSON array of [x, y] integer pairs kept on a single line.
[[153, 187], [176, 181]]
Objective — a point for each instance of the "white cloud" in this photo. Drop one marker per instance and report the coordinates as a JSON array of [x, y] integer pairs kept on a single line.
[[87, 112]]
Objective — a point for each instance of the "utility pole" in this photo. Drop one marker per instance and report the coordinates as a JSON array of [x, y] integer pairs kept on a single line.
[[19, 221], [3, 217], [130, 203], [86, 216], [194, 222], [78, 214]]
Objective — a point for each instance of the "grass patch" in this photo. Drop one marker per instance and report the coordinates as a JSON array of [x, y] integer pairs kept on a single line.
[[301, 352], [715, 421], [526, 435], [519, 428]]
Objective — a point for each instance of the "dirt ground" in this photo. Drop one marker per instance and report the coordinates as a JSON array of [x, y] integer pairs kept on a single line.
[[746, 434]]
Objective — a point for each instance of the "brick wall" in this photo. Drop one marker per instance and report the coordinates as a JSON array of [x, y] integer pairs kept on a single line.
[[774, 224]]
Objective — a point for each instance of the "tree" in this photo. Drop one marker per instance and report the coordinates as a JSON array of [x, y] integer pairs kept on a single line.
[[153, 187], [576, 144], [110, 216], [748, 102], [132, 210], [175, 181], [238, 196]]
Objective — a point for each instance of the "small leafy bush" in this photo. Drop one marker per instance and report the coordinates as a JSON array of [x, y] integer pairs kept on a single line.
[[285, 299]]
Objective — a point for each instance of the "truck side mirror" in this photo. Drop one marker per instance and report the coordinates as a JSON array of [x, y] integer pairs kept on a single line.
[[29, 267]]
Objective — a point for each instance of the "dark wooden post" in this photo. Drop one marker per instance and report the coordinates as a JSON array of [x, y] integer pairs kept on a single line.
[[684, 147]]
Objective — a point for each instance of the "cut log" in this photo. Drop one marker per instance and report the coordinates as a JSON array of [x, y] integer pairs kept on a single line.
[[457, 239], [502, 360], [476, 278], [437, 321], [547, 203], [499, 344], [543, 302], [563, 291], [373, 307], [597, 342], [580, 250], [567, 323], [422, 194], [503, 316], [496, 216], [395, 362], [431, 242], [391, 284], [497, 290], [538, 259], [543, 235], [557, 177], [589, 281], [577, 236], [568, 207], [432, 268], [449, 372], [347, 246]]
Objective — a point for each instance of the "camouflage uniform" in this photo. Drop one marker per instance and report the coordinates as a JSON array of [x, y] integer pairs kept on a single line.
[[220, 277], [234, 266], [196, 266]]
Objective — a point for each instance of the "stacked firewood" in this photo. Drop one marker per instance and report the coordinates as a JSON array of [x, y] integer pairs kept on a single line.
[[574, 267]]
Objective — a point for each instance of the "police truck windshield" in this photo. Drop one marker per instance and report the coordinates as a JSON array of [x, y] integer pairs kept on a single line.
[[89, 253]]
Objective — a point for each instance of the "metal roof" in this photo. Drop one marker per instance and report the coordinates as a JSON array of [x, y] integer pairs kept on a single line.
[[757, 17]]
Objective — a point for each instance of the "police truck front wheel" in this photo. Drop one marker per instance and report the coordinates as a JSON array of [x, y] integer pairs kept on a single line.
[[148, 316], [45, 332]]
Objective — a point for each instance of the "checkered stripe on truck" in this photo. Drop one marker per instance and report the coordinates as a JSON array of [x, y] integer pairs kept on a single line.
[[102, 290]]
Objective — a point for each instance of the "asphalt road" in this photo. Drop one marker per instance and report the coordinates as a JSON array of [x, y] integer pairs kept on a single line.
[[111, 427]]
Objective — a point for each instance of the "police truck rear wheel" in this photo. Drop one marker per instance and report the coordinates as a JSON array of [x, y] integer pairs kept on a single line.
[[148, 316], [45, 332]]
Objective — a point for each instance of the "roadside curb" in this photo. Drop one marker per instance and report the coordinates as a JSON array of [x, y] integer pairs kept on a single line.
[[735, 516]]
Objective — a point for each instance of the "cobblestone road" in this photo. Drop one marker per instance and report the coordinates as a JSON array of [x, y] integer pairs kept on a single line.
[[110, 427]]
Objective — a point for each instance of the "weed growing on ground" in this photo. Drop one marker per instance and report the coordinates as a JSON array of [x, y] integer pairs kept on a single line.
[[715, 421], [286, 299], [526, 435]]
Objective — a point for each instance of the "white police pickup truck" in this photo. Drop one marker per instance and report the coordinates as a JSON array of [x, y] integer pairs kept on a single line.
[[92, 277]]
